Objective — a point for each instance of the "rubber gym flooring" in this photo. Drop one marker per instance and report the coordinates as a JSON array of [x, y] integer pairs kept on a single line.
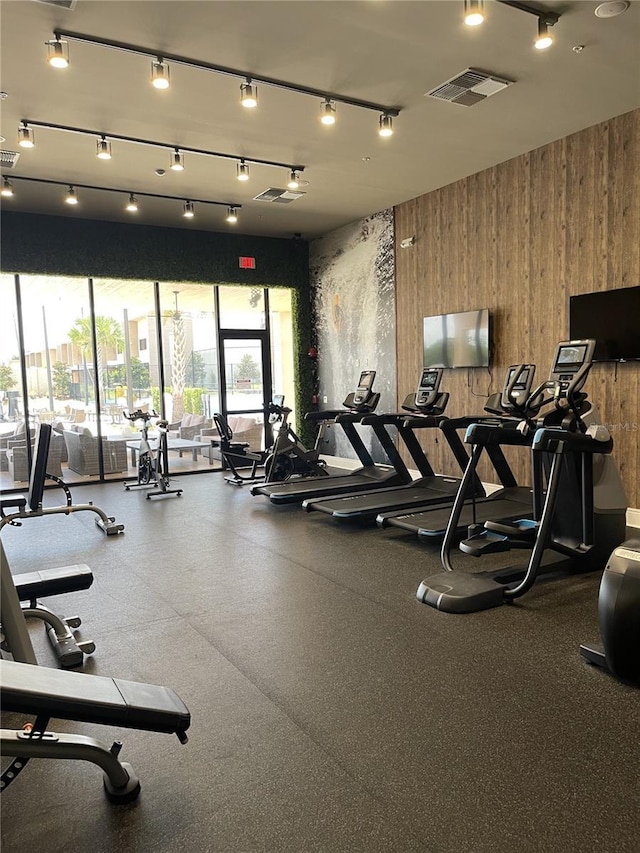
[[331, 711]]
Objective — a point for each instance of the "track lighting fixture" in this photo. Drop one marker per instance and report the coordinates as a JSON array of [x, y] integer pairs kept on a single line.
[[25, 136], [103, 149], [386, 125], [544, 38], [132, 204], [248, 94], [58, 53], [294, 180], [177, 161], [328, 111], [232, 215], [242, 171], [473, 12], [7, 187], [160, 78]]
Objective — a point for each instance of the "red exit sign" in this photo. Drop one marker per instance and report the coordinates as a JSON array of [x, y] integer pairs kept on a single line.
[[247, 263]]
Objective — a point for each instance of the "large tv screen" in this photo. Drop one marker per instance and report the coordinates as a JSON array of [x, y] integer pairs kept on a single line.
[[612, 318], [457, 340]]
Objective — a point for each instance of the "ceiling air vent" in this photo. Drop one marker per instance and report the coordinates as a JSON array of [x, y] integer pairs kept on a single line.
[[469, 88], [8, 159], [59, 4], [278, 196]]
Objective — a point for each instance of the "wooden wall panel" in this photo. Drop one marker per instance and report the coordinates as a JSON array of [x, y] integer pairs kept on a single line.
[[521, 238]]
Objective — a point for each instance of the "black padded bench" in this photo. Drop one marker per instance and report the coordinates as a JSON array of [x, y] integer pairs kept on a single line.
[[32, 585]]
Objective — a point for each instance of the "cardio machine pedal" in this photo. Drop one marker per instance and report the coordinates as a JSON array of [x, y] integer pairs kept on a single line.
[[486, 542], [523, 528]]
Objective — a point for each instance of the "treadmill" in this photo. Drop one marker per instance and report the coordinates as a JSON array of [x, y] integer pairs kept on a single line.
[[509, 501], [427, 406], [371, 475]]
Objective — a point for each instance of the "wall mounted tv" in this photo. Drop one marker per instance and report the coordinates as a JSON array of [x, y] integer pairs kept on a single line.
[[612, 318], [457, 340]]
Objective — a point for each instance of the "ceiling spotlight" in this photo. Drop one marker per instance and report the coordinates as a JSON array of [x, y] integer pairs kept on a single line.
[[544, 38], [248, 94], [386, 125], [58, 53], [160, 74], [242, 171], [328, 111], [132, 204], [25, 136], [294, 180], [232, 215], [103, 149], [473, 12], [177, 161], [7, 187], [71, 198], [188, 211]]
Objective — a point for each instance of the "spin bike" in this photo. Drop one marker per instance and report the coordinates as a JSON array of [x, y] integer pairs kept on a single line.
[[153, 461], [288, 456]]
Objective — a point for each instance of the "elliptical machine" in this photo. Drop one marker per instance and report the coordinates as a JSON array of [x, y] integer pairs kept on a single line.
[[579, 513]]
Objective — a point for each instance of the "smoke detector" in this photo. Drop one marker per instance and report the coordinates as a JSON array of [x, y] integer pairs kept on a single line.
[[469, 87]]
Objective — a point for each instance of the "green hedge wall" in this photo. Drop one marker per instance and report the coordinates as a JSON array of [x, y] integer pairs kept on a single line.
[[65, 246]]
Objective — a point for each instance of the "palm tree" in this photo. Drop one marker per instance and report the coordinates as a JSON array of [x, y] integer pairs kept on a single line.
[[109, 335], [178, 361]]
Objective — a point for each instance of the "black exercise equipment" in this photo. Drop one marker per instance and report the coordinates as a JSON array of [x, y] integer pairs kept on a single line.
[[236, 454], [427, 406], [288, 457], [579, 514], [153, 462], [619, 615], [357, 405]]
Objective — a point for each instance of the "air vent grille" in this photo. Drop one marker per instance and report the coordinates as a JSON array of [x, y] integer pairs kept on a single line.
[[8, 159], [469, 87], [59, 4], [279, 196]]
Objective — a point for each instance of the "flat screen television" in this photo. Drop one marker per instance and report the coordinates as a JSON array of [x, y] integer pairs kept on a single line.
[[457, 340], [611, 318]]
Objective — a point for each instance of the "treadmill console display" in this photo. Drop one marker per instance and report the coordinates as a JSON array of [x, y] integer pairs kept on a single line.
[[571, 357], [428, 388], [365, 384]]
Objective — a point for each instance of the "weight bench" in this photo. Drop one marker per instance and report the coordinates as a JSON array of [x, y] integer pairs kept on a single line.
[[32, 585], [47, 693]]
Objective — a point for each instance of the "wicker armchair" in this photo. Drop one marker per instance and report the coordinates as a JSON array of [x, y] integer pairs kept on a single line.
[[18, 463], [7, 439], [82, 450], [188, 427]]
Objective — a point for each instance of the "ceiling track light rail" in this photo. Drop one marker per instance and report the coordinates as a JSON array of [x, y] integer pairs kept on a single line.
[[126, 192], [245, 76], [26, 126]]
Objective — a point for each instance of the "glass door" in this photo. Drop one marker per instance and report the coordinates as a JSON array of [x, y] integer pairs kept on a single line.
[[245, 368]]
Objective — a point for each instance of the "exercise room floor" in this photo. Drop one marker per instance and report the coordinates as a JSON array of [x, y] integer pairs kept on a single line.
[[330, 710]]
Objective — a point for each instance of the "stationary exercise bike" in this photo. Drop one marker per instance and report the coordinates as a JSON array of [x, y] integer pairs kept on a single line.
[[153, 462], [288, 456]]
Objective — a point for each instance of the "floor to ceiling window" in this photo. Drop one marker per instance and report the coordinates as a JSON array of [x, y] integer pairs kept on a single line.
[[83, 353]]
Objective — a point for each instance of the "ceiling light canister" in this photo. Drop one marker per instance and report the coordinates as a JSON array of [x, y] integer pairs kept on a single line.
[[294, 180], [160, 78], [132, 204], [103, 149], [386, 125], [188, 210], [177, 161], [544, 38], [248, 94], [7, 187], [473, 12], [232, 215], [58, 53], [25, 136], [71, 197], [328, 111], [242, 171]]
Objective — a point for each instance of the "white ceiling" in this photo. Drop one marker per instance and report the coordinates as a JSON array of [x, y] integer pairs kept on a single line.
[[386, 51]]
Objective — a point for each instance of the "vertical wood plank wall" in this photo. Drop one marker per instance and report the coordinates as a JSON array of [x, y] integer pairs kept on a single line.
[[520, 238]]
